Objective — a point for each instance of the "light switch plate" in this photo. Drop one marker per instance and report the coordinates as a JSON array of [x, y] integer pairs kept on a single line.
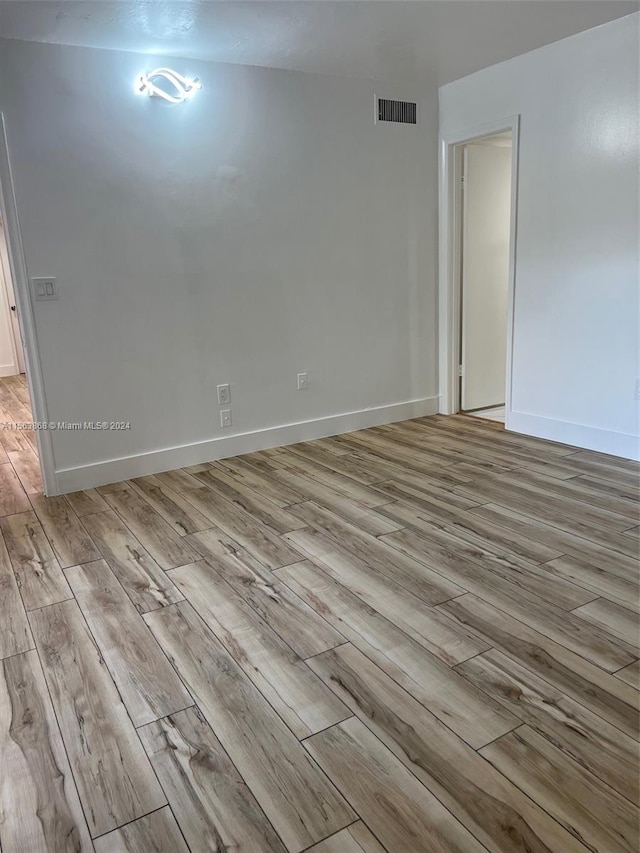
[[44, 289]]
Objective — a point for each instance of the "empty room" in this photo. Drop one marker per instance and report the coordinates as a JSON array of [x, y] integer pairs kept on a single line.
[[319, 426]]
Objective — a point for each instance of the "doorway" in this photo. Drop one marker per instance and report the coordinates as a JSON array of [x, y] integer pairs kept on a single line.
[[18, 443], [26, 454], [11, 349], [477, 257], [484, 274]]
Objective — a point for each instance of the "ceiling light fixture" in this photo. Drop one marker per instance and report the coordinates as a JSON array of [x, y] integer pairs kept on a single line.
[[167, 84]]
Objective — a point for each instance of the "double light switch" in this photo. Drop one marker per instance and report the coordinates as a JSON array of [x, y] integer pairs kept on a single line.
[[44, 289]]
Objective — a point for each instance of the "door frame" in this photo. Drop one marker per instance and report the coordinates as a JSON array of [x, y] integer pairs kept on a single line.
[[450, 257], [26, 318]]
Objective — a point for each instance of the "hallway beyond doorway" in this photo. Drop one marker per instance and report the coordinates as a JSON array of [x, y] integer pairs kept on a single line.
[[18, 446]]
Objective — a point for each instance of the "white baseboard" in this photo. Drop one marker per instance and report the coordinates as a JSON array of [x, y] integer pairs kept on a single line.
[[591, 438], [114, 470], [8, 370]]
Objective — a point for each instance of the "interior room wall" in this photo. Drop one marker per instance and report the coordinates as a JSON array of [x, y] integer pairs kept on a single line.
[[575, 354], [265, 228]]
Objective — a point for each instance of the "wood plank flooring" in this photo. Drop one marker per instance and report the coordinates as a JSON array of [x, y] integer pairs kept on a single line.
[[417, 638]]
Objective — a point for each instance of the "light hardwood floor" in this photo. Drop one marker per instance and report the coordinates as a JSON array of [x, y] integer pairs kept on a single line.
[[416, 638]]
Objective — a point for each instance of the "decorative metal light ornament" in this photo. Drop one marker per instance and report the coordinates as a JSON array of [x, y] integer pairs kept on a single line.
[[176, 88]]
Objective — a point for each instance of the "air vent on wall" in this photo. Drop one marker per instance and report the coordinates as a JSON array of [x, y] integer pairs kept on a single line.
[[402, 112]]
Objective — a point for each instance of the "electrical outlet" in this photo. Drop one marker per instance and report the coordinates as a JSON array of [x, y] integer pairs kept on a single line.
[[224, 394], [303, 383], [225, 417]]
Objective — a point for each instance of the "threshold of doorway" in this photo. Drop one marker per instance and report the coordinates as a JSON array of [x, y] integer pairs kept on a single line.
[[495, 413]]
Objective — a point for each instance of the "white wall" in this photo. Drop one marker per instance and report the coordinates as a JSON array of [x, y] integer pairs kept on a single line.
[[265, 228], [575, 358]]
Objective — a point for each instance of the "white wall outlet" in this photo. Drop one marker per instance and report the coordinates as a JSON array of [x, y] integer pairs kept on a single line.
[[225, 417], [303, 383], [44, 289], [224, 394]]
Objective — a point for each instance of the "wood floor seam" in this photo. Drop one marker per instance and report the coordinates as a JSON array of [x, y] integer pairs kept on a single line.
[[311, 657], [52, 604], [325, 729], [333, 835]]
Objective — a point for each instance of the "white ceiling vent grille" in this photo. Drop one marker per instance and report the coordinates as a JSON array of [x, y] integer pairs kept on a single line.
[[401, 112]]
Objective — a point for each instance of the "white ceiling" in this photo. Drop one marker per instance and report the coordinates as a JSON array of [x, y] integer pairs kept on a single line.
[[428, 39]]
